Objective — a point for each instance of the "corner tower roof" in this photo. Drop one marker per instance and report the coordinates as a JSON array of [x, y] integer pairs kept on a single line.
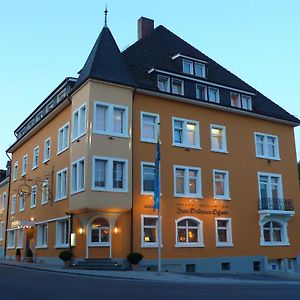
[[105, 62]]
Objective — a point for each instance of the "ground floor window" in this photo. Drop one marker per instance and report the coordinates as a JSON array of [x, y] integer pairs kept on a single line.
[[223, 232], [189, 232], [274, 232], [2, 231], [11, 239], [99, 233], [62, 233], [149, 231], [42, 235], [20, 238]]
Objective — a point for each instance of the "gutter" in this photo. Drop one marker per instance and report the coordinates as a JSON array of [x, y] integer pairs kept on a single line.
[[7, 206]]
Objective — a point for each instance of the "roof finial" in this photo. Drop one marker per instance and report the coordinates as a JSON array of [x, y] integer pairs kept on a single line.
[[105, 14]]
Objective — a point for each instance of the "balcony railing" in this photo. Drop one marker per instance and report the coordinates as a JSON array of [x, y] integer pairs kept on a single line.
[[275, 204]]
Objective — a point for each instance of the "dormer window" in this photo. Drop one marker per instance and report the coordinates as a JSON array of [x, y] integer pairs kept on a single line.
[[213, 95], [201, 92], [246, 102], [164, 83], [241, 101], [177, 87], [235, 100], [187, 66], [199, 69]]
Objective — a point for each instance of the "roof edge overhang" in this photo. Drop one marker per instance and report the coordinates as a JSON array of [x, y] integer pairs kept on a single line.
[[218, 107]]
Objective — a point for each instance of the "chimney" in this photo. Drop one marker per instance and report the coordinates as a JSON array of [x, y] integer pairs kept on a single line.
[[145, 27]]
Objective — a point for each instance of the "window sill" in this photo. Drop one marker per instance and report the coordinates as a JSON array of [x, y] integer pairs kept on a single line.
[[61, 246], [193, 196], [189, 245], [222, 198], [44, 203], [77, 192], [219, 151], [35, 167], [60, 199], [23, 174], [150, 245], [61, 151], [13, 247], [148, 141], [77, 138], [111, 134], [197, 147], [19, 247], [33, 206], [225, 245], [275, 244], [46, 160], [21, 210], [99, 245], [268, 158], [41, 247], [109, 190]]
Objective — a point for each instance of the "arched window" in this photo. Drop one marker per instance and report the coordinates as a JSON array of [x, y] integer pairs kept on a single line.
[[99, 233], [189, 232], [273, 232]]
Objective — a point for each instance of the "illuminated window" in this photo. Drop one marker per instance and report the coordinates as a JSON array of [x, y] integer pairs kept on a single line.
[[189, 232], [223, 232], [221, 184], [163, 83], [267, 146], [99, 233], [218, 138], [149, 225], [149, 127]]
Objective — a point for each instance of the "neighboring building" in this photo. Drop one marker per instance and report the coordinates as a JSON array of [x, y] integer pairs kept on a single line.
[[83, 174]]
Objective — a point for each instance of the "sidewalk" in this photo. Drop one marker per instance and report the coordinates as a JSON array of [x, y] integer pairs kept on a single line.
[[166, 277]]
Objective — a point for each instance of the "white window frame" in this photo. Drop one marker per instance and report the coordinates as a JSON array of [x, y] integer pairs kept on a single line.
[[149, 164], [181, 93], [229, 242], [190, 63], [46, 147], [109, 174], [22, 207], [78, 177], [185, 143], [226, 195], [61, 197], [218, 94], [265, 146], [40, 243], [284, 232], [2, 230], [24, 164], [167, 78], [109, 125], [15, 172], [11, 236], [4, 201], [249, 102], [239, 104], [150, 244], [100, 243], [60, 235], [80, 131], [205, 89], [61, 130], [35, 157], [224, 138], [13, 204], [45, 192], [20, 238], [186, 194], [156, 127], [32, 203], [203, 75], [198, 244]]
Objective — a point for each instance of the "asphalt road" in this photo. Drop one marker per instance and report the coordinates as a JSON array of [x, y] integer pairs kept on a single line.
[[23, 284]]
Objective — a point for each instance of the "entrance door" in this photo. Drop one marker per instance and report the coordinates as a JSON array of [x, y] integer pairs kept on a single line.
[[30, 242]]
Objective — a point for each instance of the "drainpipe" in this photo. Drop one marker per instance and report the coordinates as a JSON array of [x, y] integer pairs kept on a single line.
[[7, 206]]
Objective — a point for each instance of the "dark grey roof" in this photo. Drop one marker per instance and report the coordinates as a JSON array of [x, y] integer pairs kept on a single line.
[[105, 62], [156, 51]]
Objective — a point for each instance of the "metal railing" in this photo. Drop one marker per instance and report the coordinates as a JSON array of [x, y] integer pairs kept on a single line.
[[275, 204]]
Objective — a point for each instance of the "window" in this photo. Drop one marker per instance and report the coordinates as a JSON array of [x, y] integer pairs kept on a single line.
[[42, 235], [270, 191], [47, 146], [24, 164], [267, 146], [110, 119], [11, 239], [99, 233], [149, 127], [221, 185], [15, 173], [79, 122], [62, 234], [177, 87], [187, 66], [186, 133], [147, 178], [45, 192], [61, 184], [241, 101], [149, 227], [189, 232], [164, 83], [4, 201], [218, 138], [13, 204], [22, 201], [201, 92], [187, 182], [63, 138], [2, 230], [35, 159], [274, 233], [20, 238], [77, 176], [110, 174], [213, 95], [199, 69], [223, 232], [33, 196]]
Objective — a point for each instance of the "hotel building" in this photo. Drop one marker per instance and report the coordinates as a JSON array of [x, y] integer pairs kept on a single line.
[[82, 169]]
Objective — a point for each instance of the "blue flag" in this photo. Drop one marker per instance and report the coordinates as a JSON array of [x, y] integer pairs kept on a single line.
[[156, 177]]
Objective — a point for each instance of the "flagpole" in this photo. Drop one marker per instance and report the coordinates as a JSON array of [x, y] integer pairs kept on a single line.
[[159, 231]]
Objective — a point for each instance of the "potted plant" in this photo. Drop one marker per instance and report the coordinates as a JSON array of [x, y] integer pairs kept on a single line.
[[66, 257], [134, 258], [29, 255], [18, 254]]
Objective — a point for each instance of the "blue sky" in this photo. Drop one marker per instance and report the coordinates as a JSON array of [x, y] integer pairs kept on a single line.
[[42, 42]]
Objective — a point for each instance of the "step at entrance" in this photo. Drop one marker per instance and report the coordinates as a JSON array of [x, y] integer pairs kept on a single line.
[[99, 264]]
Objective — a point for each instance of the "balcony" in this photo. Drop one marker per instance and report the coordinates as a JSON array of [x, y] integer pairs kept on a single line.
[[279, 207]]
